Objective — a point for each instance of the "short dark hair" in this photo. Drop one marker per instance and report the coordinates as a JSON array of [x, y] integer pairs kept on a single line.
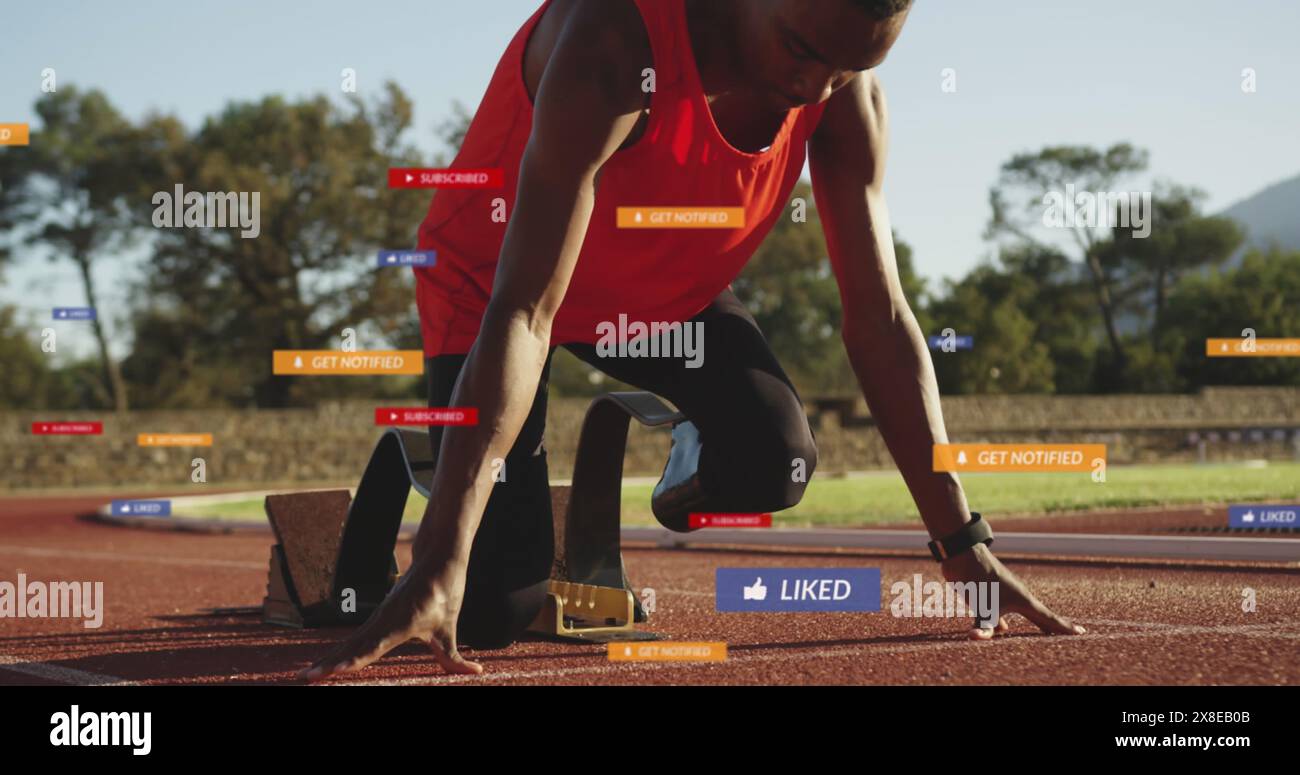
[[883, 9]]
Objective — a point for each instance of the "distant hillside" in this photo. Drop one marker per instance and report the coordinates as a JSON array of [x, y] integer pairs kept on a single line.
[[1270, 217]]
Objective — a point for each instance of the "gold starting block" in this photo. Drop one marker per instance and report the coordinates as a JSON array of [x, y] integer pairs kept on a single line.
[[589, 597], [590, 613]]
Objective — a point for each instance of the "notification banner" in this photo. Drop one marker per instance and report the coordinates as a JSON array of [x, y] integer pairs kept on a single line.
[[424, 177], [143, 508], [450, 415], [730, 520], [1018, 457], [680, 217], [174, 439], [67, 428], [340, 363]]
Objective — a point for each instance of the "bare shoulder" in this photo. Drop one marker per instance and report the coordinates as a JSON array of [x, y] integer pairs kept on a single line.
[[606, 38], [855, 112], [854, 131]]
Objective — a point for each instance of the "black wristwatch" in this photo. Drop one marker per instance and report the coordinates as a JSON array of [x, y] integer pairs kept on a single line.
[[977, 531]]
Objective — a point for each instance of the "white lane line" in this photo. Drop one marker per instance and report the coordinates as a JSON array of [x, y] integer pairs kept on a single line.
[[1250, 630], [1247, 548], [65, 675], [76, 554]]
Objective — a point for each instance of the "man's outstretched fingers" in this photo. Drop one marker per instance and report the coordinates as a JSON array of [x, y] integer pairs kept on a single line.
[[979, 632], [355, 653]]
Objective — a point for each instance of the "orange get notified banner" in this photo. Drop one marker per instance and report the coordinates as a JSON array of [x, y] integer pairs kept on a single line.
[[289, 362], [1018, 457], [174, 439], [1252, 348], [14, 134], [681, 217]]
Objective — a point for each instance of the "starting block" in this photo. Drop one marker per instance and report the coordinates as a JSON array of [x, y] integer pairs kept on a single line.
[[590, 597], [332, 566], [333, 562]]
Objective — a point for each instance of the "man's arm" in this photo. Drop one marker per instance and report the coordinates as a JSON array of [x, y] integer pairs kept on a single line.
[[885, 345], [587, 103], [884, 342]]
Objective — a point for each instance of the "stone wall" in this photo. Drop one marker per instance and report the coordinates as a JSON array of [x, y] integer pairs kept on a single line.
[[330, 444]]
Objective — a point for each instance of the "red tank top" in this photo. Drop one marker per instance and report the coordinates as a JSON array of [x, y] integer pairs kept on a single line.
[[650, 275]]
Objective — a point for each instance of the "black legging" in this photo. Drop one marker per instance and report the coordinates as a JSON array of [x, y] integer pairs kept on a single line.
[[755, 444]]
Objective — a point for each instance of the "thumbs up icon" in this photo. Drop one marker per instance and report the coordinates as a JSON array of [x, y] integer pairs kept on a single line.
[[755, 592], [1249, 516]]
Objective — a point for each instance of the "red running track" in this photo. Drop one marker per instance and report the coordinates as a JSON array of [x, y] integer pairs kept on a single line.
[[1149, 623]]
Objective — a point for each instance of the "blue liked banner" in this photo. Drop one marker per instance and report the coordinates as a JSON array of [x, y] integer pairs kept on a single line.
[[74, 313], [958, 342], [407, 257], [143, 508], [1257, 515], [798, 589]]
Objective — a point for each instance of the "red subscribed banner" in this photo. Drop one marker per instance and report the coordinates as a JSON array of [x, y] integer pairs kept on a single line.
[[426, 177], [730, 520], [430, 416], [68, 428]]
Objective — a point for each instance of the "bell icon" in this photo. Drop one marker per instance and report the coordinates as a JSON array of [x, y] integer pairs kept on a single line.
[[297, 362]]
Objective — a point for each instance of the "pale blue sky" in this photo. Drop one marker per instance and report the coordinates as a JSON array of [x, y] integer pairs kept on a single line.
[[1163, 74]]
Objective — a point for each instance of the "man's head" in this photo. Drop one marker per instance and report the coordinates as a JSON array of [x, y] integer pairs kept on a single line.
[[800, 51]]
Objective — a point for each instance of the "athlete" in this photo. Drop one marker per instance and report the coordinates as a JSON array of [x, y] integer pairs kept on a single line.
[[601, 104]]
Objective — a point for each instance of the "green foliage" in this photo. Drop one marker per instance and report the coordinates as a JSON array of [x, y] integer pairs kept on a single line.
[[325, 214], [1263, 294], [1010, 355], [68, 195]]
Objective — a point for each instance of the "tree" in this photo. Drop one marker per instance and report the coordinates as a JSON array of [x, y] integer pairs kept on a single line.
[[1009, 355], [1181, 241], [1018, 204], [1261, 295], [67, 193], [325, 213]]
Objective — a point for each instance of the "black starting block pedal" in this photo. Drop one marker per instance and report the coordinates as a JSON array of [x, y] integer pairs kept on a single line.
[[333, 562], [303, 589]]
